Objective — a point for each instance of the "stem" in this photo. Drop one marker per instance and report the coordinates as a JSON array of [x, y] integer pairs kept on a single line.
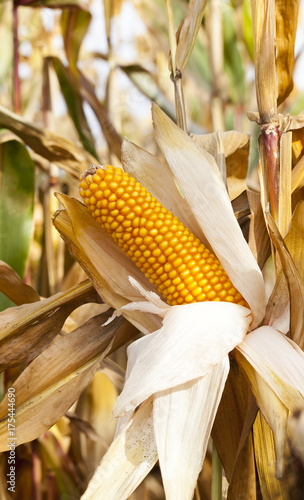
[[271, 137], [216, 484], [180, 108], [172, 36], [16, 85]]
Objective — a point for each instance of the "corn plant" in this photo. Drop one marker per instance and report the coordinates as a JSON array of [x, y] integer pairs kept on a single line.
[[156, 278]]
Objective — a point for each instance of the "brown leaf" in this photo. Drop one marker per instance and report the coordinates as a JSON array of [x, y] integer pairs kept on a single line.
[[26, 330], [14, 288], [265, 455], [230, 419], [48, 387], [243, 481], [187, 32], [47, 144]]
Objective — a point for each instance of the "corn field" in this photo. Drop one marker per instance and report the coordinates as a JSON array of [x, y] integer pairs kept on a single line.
[[151, 250]]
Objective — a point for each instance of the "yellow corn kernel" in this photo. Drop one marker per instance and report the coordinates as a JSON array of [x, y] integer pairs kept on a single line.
[[179, 265]]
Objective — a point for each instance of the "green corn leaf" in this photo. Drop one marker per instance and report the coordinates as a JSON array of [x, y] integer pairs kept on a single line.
[[16, 207]]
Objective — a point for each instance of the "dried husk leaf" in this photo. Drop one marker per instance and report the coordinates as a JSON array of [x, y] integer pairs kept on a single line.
[[187, 32], [296, 433], [43, 396], [129, 459], [235, 413], [263, 23], [243, 482], [234, 147], [265, 457], [14, 288], [49, 145], [294, 281], [198, 177], [106, 264], [286, 30], [279, 362], [26, 330], [182, 429]]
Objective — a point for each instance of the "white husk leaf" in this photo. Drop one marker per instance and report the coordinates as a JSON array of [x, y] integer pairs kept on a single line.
[[183, 418], [153, 305], [198, 177], [276, 360], [193, 339], [129, 459]]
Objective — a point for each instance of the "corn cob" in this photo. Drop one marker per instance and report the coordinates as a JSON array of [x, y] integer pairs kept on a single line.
[[172, 258]]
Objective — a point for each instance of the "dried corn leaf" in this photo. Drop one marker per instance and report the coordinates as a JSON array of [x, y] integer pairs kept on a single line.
[[74, 26], [286, 30], [188, 31], [263, 23], [129, 459], [292, 275], [243, 481], [106, 264], [230, 418], [26, 330], [47, 144], [265, 456], [14, 288], [110, 134], [44, 395]]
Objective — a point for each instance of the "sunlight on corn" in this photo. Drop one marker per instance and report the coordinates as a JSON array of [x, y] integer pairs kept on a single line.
[[172, 258]]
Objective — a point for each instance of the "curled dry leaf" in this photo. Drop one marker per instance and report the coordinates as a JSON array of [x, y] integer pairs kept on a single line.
[[14, 288], [187, 32], [44, 395], [26, 330], [49, 145]]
